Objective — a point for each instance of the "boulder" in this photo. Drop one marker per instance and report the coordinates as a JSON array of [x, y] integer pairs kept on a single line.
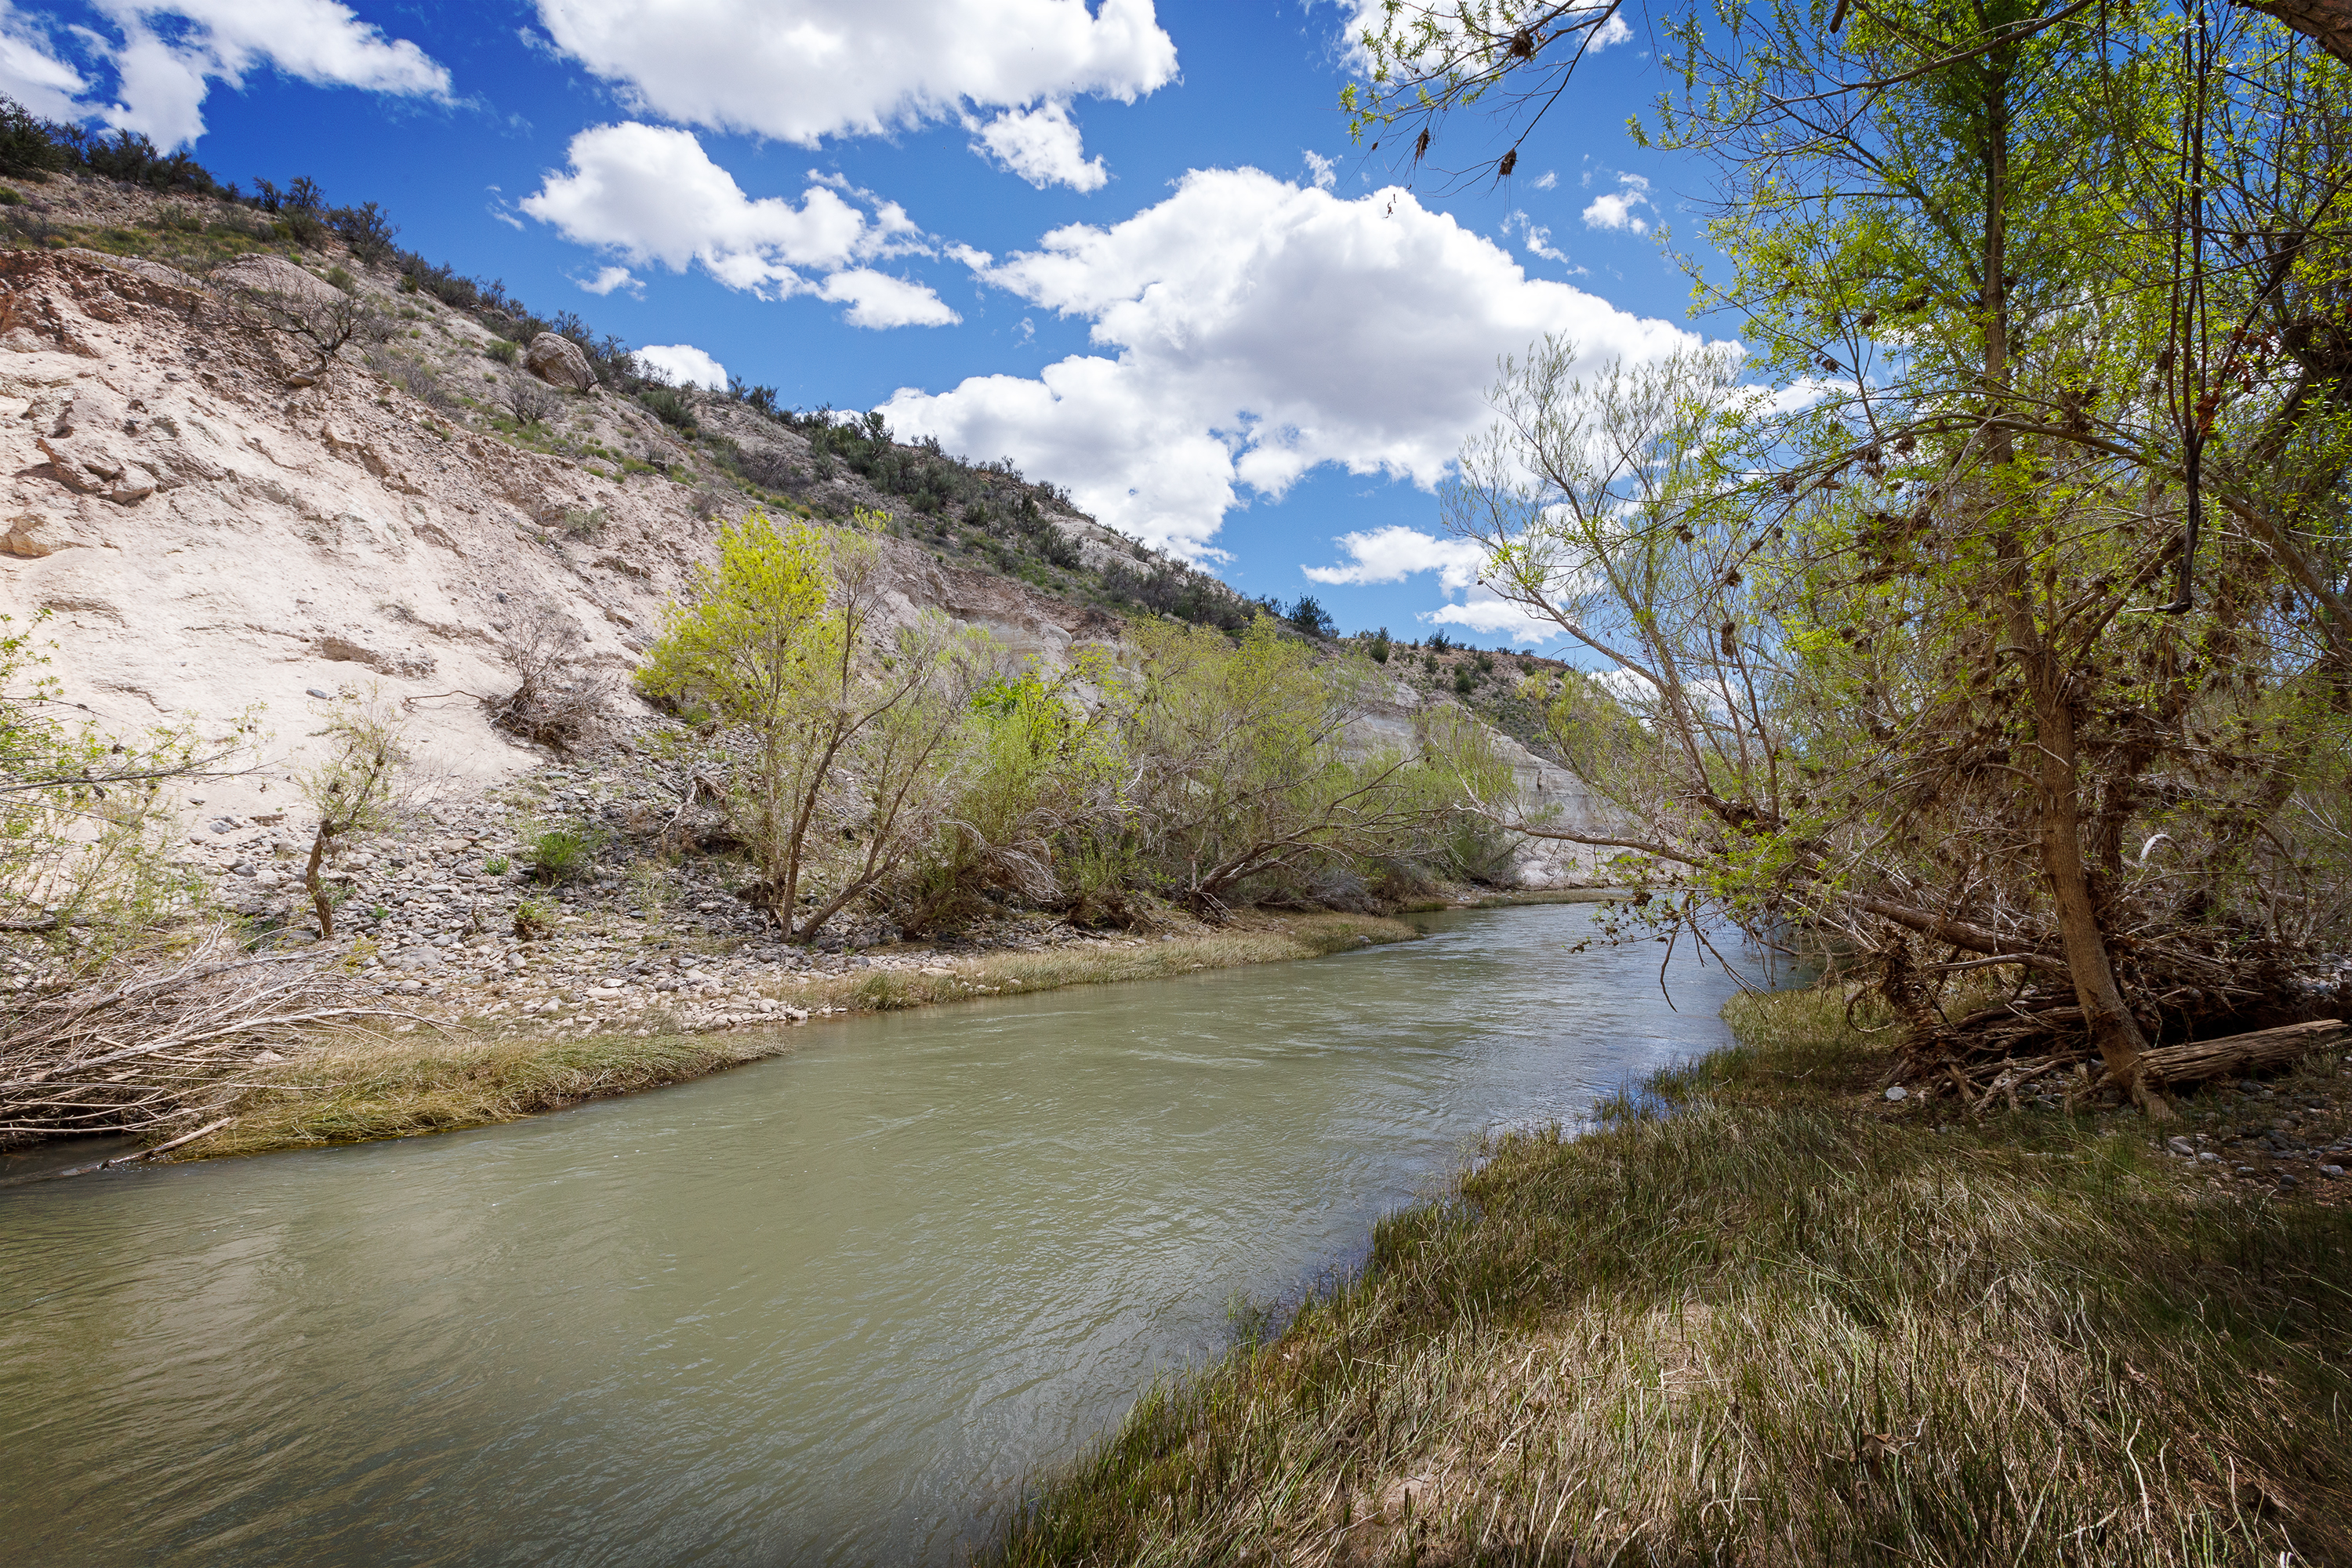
[[559, 361]]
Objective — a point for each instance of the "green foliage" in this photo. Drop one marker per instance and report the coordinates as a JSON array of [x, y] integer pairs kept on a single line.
[[563, 851], [669, 406], [86, 828], [534, 920], [502, 350], [354, 786], [855, 739], [496, 866]]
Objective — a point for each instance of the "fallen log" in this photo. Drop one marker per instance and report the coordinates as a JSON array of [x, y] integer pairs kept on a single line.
[[2200, 1059]]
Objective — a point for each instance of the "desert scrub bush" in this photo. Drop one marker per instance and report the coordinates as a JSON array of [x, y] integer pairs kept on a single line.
[[534, 919], [557, 700], [502, 351], [669, 406], [586, 524], [561, 851], [528, 399]]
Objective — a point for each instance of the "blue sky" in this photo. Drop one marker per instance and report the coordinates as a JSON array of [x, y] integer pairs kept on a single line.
[[1130, 247]]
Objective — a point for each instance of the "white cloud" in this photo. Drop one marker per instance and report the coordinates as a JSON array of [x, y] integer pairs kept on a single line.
[[1612, 31], [1391, 554], [171, 53], [1323, 170], [683, 364], [1255, 330], [1042, 146], [1551, 178], [1539, 238], [1486, 611], [608, 279], [1617, 209], [877, 299], [815, 68], [30, 70], [652, 194]]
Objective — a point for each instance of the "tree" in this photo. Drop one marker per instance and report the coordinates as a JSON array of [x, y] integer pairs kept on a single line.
[[851, 731], [1915, 663], [1240, 762], [354, 789]]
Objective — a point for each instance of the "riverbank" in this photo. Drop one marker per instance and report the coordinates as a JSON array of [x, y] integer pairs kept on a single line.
[[1762, 1313], [473, 1071]]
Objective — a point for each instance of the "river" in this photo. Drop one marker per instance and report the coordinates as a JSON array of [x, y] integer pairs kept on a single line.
[[828, 1309]]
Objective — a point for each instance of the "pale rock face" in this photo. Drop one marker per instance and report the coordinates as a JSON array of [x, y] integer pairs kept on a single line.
[[274, 274], [201, 544], [559, 361]]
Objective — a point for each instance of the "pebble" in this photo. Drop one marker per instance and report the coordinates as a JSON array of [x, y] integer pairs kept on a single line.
[[1897, 1092]]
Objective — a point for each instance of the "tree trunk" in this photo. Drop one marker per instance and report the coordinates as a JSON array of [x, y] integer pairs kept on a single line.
[[2113, 1031], [324, 910]]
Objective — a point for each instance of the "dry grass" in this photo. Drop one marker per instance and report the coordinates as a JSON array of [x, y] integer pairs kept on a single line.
[[397, 1086], [1760, 1317]]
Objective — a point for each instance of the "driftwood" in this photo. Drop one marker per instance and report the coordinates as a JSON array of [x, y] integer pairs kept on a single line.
[[2196, 1060]]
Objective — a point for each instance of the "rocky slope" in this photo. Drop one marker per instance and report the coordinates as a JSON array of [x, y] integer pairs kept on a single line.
[[212, 525]]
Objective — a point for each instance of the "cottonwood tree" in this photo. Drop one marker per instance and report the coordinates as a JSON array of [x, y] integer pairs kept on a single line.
[[2029, 576], [852, 729]]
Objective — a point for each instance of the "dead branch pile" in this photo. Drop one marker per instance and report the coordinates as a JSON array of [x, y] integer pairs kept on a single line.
[[157, 1040]]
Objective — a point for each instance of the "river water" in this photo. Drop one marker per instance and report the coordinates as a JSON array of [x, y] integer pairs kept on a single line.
[[824, 1308]]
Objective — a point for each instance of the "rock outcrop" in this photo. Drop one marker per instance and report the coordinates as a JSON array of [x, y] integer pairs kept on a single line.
[[201, 541], [559, 361]]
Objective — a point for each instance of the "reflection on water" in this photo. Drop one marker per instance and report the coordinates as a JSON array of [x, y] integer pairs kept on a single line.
[[826, 1308]]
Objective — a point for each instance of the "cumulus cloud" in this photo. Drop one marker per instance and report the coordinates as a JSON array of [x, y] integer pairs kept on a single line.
[[834, 68], [1042, 146], [879, 300], [1394, 553], [30, 70], [1252, 329], [608, 279], [652, 194], [169, 53], [1488, 612], [1323, 170], [683, 364], [1618, 208]]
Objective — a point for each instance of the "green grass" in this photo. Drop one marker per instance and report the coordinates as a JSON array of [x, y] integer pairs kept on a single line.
[[1760, 1316]]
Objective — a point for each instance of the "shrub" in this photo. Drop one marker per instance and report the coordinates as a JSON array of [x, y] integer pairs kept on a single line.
[[669, 406], [528, 400], [534, 919], [557, 701], [562, 852], [504, 350], [1379, 646], [1310, 616]]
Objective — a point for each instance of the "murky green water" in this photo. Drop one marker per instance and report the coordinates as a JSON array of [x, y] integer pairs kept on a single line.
[[828, 1309]]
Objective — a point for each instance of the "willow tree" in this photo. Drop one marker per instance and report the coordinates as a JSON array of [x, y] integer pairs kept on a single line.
[[2038, 573]]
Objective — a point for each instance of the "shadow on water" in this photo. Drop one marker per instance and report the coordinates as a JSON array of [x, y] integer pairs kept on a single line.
[[828, 1309]]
